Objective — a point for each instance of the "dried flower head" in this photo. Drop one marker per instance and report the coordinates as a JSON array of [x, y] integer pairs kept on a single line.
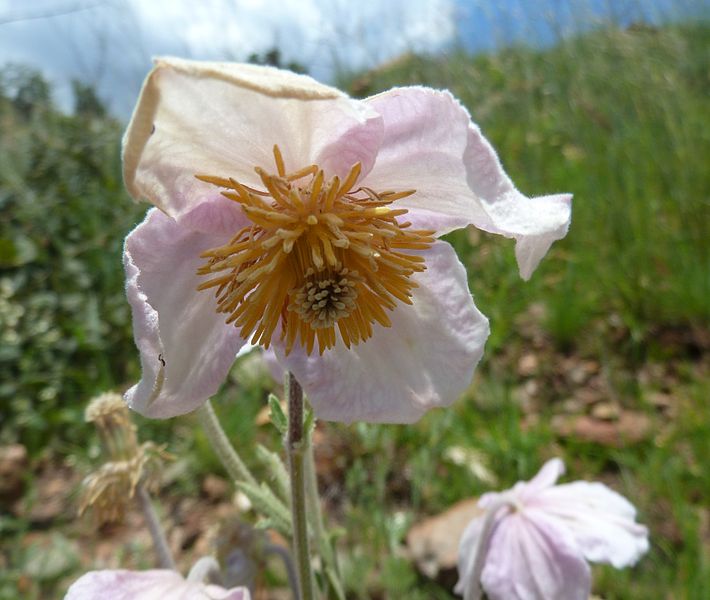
[[112, 418], [110, 489]]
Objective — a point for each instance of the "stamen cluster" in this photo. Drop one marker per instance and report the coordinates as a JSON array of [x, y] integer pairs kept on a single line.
[[317, 255]]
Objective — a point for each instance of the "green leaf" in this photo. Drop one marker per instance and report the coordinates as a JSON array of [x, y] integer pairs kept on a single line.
[[278, 417]]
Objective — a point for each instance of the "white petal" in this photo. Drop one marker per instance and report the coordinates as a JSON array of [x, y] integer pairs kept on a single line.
[[468, 549], [532, 558], [146, 585], [217, 215], [535, 223], [340, 139], [425, 138], [523, 491], [223, 119], [546, 477], [186, 348], [431, 145], [601, 521], [425, 359]]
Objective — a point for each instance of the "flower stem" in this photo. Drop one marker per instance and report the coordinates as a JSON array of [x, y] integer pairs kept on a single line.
[[474, 587], [228, 456], [325, 548], [294, 449], [261, 495], [160, 543], [284, 555]]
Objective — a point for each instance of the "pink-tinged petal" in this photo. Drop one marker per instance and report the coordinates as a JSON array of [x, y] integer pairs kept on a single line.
[[546, 477], [146, 585], [186, 349], [431, 145], [223, 119], [217, 215], [425, 359], [276, 369], [425, 138], [535, 223], [490, 499], [338, 143], [468, 549], [532, 558], [523, 491], [601, 521]]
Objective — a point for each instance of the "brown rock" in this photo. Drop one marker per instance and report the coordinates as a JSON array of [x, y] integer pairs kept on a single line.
[[528, 365], [630, 428], [434, 543], [606, 411]]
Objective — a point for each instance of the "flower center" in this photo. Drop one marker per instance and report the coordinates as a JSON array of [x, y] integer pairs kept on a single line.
[[318, 255], [323, 300]]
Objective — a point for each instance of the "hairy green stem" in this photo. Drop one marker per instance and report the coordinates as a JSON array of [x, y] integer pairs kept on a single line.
[[160, 543], [294, 450], [315, 514], [228, 456]]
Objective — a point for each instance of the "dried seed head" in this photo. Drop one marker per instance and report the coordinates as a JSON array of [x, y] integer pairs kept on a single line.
[[109, 490], [109, 413]]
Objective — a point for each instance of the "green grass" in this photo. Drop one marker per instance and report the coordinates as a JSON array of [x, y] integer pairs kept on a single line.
[[619, 118]]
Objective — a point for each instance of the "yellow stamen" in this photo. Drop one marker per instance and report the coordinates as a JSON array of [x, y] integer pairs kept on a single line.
[[318, 255]]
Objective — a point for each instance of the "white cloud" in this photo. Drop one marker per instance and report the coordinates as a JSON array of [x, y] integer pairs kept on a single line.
[[320, 33], [111, 42]]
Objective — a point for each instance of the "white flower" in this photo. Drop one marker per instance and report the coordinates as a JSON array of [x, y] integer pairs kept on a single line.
[[543, 535], [295, 217], [155, 584]]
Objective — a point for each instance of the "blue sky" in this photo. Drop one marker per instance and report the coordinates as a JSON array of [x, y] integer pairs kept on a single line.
[[483, 25], [110, 42]]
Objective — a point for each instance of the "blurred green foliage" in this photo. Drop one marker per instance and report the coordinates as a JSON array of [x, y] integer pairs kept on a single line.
[[620, 118], [64, 321]]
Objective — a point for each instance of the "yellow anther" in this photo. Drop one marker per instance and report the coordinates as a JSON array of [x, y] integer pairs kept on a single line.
[[319, 258]]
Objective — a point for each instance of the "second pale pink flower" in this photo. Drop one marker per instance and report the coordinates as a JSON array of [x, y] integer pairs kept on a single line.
[[543, 535]]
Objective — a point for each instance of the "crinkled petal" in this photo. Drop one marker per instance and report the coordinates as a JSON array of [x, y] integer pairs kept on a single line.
[[601, 521], [468, 549], [546, 477], [146, 585], [535, 223], [217, 216], [185, 347], [223, 119], [340, 141], [425, 138], [523, 491], [431, 145], [425, 359], [533, 558]]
